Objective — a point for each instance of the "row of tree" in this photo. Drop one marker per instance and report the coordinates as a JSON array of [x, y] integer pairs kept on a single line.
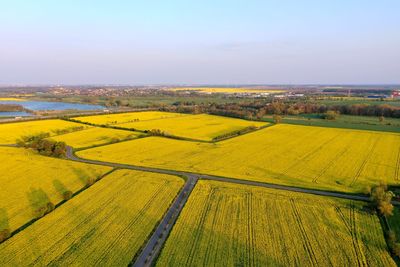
[[256, 109], [11, 107], [381, 200]]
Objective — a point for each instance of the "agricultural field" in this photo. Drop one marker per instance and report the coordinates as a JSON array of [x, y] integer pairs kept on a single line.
[[358, 100], [29, 181], [313, 157], [227, 90], [10, 132], [394, 222], [104, 225], [343, 121], [202, 127], [11, 99], [95, 136], [235, 225], [111, 119]]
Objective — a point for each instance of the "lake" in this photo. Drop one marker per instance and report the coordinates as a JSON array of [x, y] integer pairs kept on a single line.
[[43, 105]]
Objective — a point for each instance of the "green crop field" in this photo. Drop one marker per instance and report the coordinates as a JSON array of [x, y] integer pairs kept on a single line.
[[104, 225], [313, 157], [343, 121], [234, 225], [394, 222], [29, 181], [95, 136]]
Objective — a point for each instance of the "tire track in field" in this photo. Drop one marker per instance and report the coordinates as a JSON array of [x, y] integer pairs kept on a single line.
[[359, 254], [326, 168], [214, 222], [306, 241], [365, 161], [250, 229], [139, 215], [189, 261], [346, 223], [310, 154]]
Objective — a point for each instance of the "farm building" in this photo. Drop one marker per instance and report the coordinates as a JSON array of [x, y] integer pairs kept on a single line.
[[396, 94]]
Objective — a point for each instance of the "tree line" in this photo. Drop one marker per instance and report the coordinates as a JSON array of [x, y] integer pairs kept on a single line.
[[381, 201], [258, 108]]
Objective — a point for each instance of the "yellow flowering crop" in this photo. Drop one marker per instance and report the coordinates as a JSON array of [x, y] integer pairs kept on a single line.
[[95, 136], [313, 157], [27, 178], [235, 225], [10, 132], [104, 225], [202, 126], [110, 119]]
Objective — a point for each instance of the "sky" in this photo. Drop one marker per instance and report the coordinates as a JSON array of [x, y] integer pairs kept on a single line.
[[200, 42]]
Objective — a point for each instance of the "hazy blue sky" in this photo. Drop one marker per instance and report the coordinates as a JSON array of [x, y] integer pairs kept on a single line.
[[202, 42]]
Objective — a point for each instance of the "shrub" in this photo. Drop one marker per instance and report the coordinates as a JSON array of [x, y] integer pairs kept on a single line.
[[396, 249], [277, 119], [4, 234], [381, 199], [49, 207], [43, 210], [67, 195], [40, 212], [331, 115], [90, 181]]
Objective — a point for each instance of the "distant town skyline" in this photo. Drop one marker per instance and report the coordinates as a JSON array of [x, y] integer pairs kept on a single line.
[[206, 42]]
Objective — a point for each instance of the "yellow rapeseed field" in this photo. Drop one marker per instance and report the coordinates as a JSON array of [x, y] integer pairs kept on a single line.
[[314, 157], [103, 226], [235, 225], [202, 126], [29, 180], [227, 90], [110, 119], [95, 136], [11, 99], [9, 132]]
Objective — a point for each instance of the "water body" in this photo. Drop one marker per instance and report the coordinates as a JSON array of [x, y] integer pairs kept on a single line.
[[15, 114], [42, 105]]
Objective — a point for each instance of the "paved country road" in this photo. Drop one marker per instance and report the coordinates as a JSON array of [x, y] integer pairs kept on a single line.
[[154, 245]]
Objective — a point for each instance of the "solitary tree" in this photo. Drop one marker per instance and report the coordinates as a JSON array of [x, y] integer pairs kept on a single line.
[[277, 119], [331, 115]]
